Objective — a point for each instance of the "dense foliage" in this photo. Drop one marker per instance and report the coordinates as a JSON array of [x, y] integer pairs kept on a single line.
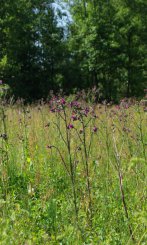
[[104, 46]]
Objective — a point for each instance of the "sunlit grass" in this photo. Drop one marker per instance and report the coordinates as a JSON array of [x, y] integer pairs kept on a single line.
[[37, 205]]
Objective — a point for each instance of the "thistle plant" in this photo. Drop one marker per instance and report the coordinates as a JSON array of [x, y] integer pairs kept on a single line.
[[58, 106], [75, 115], [118, 167], [86, 117], [75, 173]]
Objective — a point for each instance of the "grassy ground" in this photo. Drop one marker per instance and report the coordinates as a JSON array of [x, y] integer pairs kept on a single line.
[[73, 175]]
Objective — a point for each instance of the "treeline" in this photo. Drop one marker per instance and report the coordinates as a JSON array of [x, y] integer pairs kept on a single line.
[[104, 47]]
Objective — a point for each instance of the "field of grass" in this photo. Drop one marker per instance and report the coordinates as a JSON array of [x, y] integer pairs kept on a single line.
[[73, 174]]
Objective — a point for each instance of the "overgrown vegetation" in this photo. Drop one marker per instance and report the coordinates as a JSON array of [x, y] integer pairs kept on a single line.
[[72, 173], [73, 168]]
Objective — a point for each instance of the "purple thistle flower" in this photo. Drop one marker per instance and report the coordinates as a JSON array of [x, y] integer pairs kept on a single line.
[[117, 107], [62, 101], [58, 109], [126, 106], [71, 104], [95, 129], [86, 110], [74, 118], [53, 110], [75, 104], [70, 126]]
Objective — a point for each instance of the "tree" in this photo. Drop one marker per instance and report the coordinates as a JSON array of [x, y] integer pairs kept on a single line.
[[30, 43], [108, 42], [104, 46]]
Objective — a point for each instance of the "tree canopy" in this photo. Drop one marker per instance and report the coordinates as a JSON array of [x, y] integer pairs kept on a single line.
[[103, 46]]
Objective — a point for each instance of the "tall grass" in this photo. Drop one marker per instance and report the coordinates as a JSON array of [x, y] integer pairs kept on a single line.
[[73, 174]]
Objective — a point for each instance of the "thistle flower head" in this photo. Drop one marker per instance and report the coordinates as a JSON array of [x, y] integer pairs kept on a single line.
[[86, 111], [74, 117], [75, 104], [117, 107], [70, 126], [62, 101], [95, 129], [53, 110]]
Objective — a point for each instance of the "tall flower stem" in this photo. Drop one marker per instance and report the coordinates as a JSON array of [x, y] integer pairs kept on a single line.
[[120, 176], [72, 174], [86, 153]]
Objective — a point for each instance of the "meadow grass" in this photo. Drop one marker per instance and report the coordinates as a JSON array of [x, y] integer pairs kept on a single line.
[[73, 176]]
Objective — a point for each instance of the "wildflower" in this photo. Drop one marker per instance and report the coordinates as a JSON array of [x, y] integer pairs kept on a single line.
[[126, 106], [62, 101], [54, 99], [70, 126], [117, 107], [86, 111], [53, 110], [95, 129], [74, 118], [58, 109], [1, 82], [75, 104]]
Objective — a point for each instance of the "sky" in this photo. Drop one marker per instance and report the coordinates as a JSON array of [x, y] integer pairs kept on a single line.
[[65, 17]]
